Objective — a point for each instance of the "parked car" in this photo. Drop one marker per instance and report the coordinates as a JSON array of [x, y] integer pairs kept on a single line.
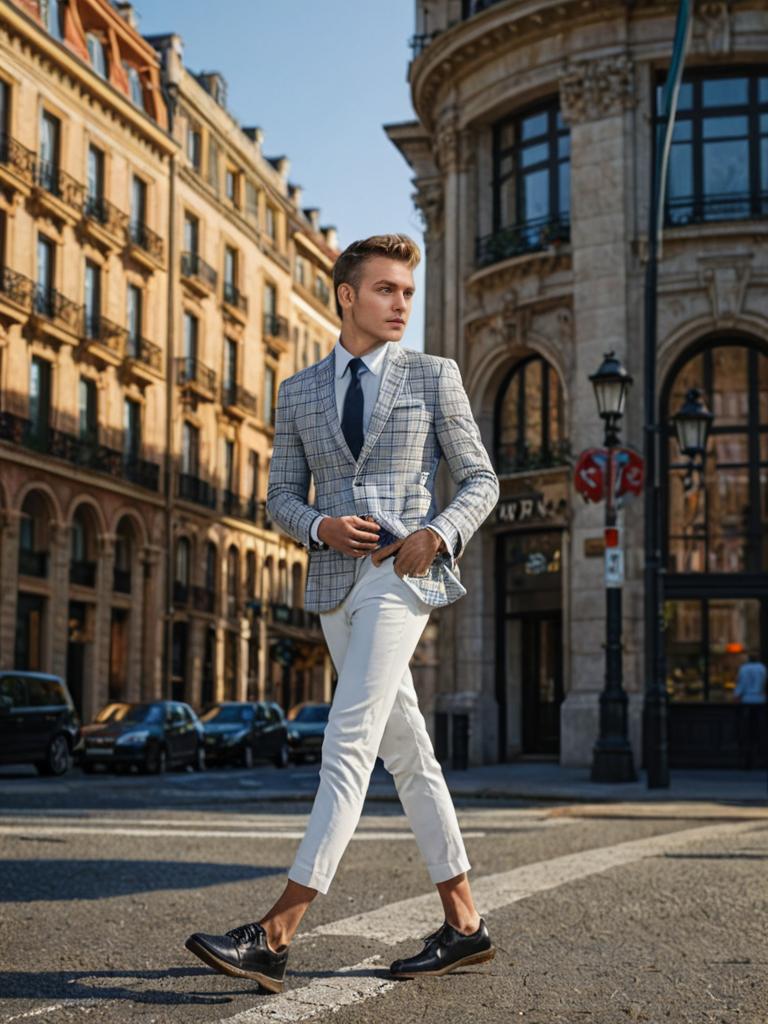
[[150, 736], [38, 722], [306, 728], [242, 732]]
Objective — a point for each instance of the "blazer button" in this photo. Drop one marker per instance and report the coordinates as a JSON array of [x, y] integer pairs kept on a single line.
[[358, 483]]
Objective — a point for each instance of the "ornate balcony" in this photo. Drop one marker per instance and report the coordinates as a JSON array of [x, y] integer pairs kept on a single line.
[[276, 327], [237, 401], [17, 164], [257, 513], [143, 360], [104, 339], [513, 458], [16, 296], [198, 275], [33, 563], [706, 209], [235, 303], [144, 245], [194, 488], [520, 239], [56, 315], [233, 505], [103, 222], [196, 378], [57, 192]]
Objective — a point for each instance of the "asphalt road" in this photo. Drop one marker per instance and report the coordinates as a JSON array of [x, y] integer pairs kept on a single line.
[[600, 915]]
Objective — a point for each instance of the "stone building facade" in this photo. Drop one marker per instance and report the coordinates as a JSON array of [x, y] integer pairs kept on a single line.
[[139, 362], [532, 154]]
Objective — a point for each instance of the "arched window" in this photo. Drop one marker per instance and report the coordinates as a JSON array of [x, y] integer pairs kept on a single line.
[[82, 566], [97, 53], [529, 418], [721, 526], [210, 566], [233, 580], [182, 561]]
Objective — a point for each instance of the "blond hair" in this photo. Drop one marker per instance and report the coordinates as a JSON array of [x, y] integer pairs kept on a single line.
[[349, 266]]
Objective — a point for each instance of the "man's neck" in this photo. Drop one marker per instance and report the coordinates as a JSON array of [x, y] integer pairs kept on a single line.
[[359, 344]]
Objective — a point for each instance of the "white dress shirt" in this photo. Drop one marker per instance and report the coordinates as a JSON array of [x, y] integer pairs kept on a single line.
[[370, 376]]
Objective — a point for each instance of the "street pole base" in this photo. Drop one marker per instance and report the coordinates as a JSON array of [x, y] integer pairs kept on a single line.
[[613, 765]]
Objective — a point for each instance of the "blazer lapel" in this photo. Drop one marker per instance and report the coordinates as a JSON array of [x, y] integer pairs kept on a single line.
[[392, 384], [326, 390]]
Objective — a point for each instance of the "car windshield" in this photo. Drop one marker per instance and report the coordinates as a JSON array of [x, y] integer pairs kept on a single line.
[[227, 714], [130, 713], [315, 713]]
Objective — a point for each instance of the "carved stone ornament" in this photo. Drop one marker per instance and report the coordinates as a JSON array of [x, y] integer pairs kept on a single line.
[[715, 19], [428, 199], [590, 89], [726, 280], [453, 146]]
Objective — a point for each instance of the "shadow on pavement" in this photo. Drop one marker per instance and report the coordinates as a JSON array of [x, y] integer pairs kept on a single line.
[[25, 880], [72, 986]]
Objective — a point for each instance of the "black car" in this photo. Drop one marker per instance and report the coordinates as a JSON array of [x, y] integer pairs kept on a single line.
[[306, 728], [38, 722], [241, 732], [149, 736]]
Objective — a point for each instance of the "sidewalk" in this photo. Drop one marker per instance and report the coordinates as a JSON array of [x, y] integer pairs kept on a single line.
[[523, 780]]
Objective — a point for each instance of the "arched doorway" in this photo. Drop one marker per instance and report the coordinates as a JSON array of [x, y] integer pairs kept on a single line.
[[716, 554]]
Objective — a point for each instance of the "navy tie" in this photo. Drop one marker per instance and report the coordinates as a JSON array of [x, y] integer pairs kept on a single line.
[[352, 411]]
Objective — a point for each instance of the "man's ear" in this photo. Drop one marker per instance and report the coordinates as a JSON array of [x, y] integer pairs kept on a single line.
[[346, 294]]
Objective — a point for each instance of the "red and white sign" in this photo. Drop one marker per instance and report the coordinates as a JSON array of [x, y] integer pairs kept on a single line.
[[590, 475]]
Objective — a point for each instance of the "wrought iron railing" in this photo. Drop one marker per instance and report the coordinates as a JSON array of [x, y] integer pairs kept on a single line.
[[519, 239], [192, 371], [21, 159], [105, 213], [195, 266], [257, 513], [233, 505], [58, 309], [194, 488], [140, 235], [33, 563], [514, 458], [49, 176], [235, 298], [83, 573], [275, 326], [105, 332], [702, 209], [17, 287], [420, 42], [144, 351], [180, 594], [234, 395]]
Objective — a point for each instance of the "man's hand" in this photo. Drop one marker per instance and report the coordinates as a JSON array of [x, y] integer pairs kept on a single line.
[[414, 554], [351, 535]]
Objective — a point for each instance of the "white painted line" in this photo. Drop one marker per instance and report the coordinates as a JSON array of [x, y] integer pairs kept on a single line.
[[192, 833], [55, 1006], [416, 916]]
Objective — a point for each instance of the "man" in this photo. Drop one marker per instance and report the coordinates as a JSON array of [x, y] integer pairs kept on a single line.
[[368, 424], [750, 693]]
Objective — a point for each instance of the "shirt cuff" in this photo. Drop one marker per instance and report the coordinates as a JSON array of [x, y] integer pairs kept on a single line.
[[314, 533]]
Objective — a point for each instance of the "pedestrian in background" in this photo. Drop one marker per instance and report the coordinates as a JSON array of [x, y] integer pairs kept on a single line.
[[750, 692]]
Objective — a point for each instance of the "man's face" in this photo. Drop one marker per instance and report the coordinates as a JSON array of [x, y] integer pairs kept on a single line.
[[384, 299]]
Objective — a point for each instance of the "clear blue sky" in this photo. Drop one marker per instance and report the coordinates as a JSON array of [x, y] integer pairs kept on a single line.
[[320, 79]]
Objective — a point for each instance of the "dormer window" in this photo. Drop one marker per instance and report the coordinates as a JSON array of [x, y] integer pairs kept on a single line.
[[135, 89], [97, 53]]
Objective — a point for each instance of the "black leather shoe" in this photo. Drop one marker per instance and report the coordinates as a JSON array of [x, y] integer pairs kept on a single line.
[[444, 951], [242, 953]]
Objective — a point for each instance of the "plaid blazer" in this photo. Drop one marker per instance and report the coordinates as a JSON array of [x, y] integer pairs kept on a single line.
[[422, 413]]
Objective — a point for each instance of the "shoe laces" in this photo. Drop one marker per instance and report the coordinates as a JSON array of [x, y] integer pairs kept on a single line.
[[246, 933], [435, 936]]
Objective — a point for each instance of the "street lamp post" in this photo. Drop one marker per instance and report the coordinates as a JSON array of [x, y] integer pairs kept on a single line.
[[612, 754], [692, 423]]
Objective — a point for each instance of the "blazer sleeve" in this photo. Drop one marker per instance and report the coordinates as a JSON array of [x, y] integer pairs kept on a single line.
[[468, 461], [289, 478]]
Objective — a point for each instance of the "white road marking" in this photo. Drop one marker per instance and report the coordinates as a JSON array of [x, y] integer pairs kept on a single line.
[[51, 1009], [192, 833]]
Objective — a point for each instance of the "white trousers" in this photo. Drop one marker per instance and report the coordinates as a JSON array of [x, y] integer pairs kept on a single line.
[[371, 636]]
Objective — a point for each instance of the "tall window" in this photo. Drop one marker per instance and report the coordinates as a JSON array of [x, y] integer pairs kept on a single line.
[[95, 188], [231, 186], [251, 201], [50, 15], [181, 568], [269, 395], [722, 526], [131, 430], [270, 223], [191, 233], [190, 341], [229, 465], [270, 309], [5, 109], [190, 449], [45, 269], [718, 166], [233, 579], [138, 203], [230, 267], [39, 399], [134, 317], [88, 411], [230, 363], [92, 299], [97, 53], [48, 164], [529, 418], [253, 475], [213, 163], [135, 89], [531, 183], [211, 561], [194, 147]]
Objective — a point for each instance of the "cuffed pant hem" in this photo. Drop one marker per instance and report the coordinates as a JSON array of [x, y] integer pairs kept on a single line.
[[444, 872], [310, 878]]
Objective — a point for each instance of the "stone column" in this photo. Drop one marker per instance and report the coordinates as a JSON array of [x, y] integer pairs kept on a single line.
[[96, 689], [152, 581], [57, 625], [9, 582], [595, 97], [136, 638]]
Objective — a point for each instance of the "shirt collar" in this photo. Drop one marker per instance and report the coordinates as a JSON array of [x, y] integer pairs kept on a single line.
[[374, 360]]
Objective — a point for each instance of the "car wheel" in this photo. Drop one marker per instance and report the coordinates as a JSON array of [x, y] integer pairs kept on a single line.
[[58, 759], [247, 758], [199, 762], [283, 756], [155, 760]]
